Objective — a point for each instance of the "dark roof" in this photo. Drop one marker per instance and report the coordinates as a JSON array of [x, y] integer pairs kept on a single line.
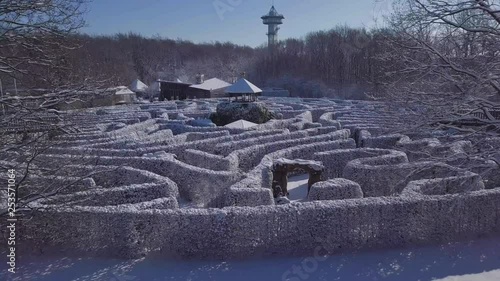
[[273, 14]]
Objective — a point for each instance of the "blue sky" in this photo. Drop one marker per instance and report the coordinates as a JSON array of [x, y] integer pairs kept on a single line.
[[237, 21]]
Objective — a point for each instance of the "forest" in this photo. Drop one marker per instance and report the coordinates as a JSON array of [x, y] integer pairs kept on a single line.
[[340, 61], [424, 48]]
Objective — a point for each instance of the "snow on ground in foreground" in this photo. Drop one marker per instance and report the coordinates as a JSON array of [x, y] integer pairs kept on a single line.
[[486, 276], [425, 263], [297, 187]]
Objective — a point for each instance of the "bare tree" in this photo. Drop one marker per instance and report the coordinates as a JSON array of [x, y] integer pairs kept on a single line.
[[444, 58], [342, 59], [34, 34], [35, 39]]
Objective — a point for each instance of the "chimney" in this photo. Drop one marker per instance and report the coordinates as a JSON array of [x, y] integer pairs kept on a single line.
[[200, 78]]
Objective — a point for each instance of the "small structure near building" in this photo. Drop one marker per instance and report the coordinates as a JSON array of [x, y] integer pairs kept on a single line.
[[173, 90], [154, 91], [281, 167], [244, 89], [211, 88], [108, 97], [241, 124], [123, 95], [139, 88]]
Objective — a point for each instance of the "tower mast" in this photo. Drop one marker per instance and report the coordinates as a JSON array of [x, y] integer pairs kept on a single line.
[[273, 19]]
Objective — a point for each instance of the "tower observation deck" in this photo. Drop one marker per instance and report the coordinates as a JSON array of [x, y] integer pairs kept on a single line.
[[273, 19]]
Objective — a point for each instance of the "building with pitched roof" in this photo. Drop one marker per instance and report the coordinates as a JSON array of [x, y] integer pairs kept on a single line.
[[244, 89], [241, 124], [138, 86], [173, 90], [211, 88]]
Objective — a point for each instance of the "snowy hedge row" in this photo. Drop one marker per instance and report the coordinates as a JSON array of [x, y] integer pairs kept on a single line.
[[382, 172], [315, 113], [335, 189], [228, 147], [135, 129], [208, 161], [208, 144], [206, 135], [129, 195], [328, 119], [194, 183], [335, 161], [181, 129], [82, 151], [260, 177], [432, 148], [95, 140], [384, 141], [251, 156], [335, 226], [178, 146], [157, 137]]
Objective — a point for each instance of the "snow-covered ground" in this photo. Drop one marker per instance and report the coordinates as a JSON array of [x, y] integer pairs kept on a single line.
[[297, 187], [486, 276], [425, 263]]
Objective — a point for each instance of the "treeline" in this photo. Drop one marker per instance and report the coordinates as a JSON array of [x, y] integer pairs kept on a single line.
[[341, 62], [424, 49], [119, 59], [125, 57]]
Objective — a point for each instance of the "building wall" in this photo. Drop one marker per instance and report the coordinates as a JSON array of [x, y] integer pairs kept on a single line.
[[205, 94], [173, 91], [193, 93], [219, 93]]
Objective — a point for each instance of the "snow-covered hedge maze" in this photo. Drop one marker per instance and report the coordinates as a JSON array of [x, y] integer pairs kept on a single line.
[[137, 179]]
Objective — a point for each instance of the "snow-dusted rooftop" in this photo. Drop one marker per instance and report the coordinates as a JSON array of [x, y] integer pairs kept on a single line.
[[138, 86], [122, 90], [176, 80], [243, 86], [241, 124], [212, 84]]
